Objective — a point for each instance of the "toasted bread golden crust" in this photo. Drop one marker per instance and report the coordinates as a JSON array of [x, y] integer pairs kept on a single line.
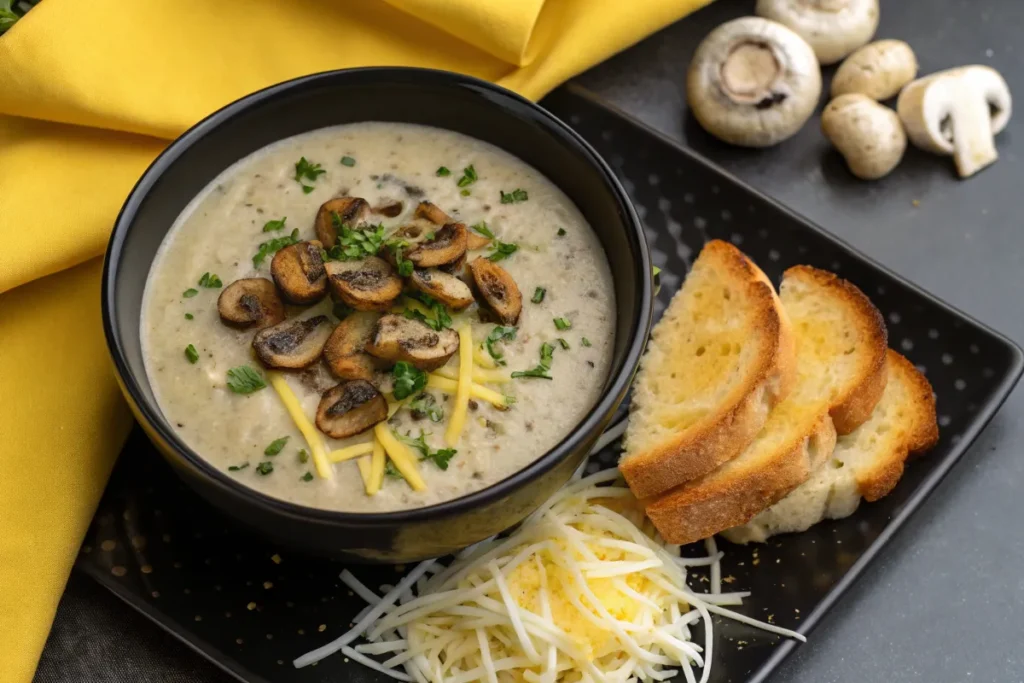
[[724, 432], [881, 478], [852, 408], [718, 502]]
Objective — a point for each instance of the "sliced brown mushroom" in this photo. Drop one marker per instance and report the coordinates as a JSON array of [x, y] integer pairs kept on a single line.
[[292, 344], [369, 284], [250, 302], [345, 351], [475, 240], [388, 207], [350, 408], [447, 245], [299, 272], [433, 213], [337, 212], [443, 286], [498, 289], [396, 338], [456, 268]]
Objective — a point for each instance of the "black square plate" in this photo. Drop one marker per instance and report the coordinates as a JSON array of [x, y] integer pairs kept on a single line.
[[251, 608]]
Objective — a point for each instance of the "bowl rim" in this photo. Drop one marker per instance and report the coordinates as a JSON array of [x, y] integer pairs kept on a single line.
[[499, 97]]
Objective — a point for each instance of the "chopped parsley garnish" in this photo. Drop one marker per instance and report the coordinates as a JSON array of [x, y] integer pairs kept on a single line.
[[585, 342], [191, 354], [443, 172], [348, 161], [308, 476], [391, 471], [538, 295], [265, 467], [190, 292], [425, 405], [482, 228], [306, 170], [210, 281], [352, 244], [502, 250], [306, 189], [408, 378], [440, 319], [561, 232], [468, 176], [303, 455], [439, 457], [499, 334], [273, 226], [245, 380], [235, 468], [275, 446], [515, 196], [189, 316], [563, 324], [564, 344], [541, 371], [271, 247], [403, 265], [465, 193]]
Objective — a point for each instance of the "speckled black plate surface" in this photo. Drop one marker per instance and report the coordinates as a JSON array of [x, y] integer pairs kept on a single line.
[[251, 608]]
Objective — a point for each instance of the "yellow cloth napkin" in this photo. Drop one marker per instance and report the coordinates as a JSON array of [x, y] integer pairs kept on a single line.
[[90, 92]]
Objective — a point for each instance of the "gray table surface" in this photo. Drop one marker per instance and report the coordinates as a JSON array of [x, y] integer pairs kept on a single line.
[[946, 600]]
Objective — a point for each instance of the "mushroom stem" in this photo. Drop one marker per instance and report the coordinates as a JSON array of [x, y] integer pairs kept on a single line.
[[749, 72]]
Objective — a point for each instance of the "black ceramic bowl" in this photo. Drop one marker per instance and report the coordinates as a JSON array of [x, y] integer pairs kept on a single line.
[[433, 98]]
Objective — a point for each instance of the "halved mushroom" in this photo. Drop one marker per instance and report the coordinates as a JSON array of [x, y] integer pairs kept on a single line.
[[345, 351], [299, 272], [396, 338], [433, 213], [350, 408], [369, 284], [753, 82], [293, 343], [498, 289], [388, 207], [447, 245], [249, 302], [834, 28], [444, 287], [337, 212]]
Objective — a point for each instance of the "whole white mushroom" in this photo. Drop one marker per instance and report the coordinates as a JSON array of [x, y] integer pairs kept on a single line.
[[868, 135], [834, 28], [878, 70]]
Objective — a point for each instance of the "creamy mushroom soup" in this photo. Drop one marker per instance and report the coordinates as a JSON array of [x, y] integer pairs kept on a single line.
[[376, 317]]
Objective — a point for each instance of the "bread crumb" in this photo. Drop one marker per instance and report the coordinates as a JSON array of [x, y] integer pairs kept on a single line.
[[275, 558], [251, 606], [321, 628], [729, 579]]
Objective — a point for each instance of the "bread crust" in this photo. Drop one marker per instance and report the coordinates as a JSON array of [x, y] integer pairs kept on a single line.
[[725, 432]]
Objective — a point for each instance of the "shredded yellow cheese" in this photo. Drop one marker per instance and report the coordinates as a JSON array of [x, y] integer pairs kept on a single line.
[[400, 455], [294, 408], [394, 406], [376, 468], [458, 420], [483, 359], [349, 452], [450, 386], [365, 471], [479, 375]]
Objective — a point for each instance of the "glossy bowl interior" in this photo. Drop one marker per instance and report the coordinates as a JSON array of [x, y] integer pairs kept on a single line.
[[433, 98]]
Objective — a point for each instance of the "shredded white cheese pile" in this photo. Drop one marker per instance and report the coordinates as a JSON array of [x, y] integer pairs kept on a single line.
[[579, 593]]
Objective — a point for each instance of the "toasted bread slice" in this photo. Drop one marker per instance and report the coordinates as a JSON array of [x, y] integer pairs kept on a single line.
[[718, 360], [841, 346], [867, 463]]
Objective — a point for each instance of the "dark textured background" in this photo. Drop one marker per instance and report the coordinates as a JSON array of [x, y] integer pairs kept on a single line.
[[946, 601]]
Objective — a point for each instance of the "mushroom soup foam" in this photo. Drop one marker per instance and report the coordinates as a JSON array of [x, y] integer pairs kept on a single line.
[[377, 316]]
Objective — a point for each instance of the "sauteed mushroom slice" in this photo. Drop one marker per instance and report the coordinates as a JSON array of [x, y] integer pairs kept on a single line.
[[337, 212], [388, 207], [250, 302], [447, 245], [345, 351], [299, 272], [456, 268], [433, 213], [350, 408], [396, 338], [443, 286], [292, 344], [369, 284], [498, 289], [475, 240]]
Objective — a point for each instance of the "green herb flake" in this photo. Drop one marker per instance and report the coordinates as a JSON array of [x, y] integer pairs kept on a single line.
[[353, 245], [391, 471], [499, 334], [306, 189], [564, 344], [348, 161], [482, 228], [270, 247], [439, 320], [210, 281], [502, 250], [245, 380], [514, 197], [425, 405], [547, 352], [190, 292], [465, 193], [656, 276], [275, 225], [585, 342], [191, 354], [468, 176], [275, 446], [307, 170], [563, 324], [235, 468], [189, 316], [443, 172], [439, 457], [561, 232], [403, 265], [265, 467], [409, 380], [538, 295], [308, 476], [303, 455]]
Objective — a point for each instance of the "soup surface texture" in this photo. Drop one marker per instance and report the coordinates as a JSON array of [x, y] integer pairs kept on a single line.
[[540, 239]]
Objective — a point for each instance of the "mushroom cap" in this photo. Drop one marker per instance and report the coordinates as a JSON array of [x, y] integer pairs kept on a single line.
[[298, 270], [878, 70], [350, 408], [292, 344], [753, 82], [336, 212], [250, 302], [345, 350], [446, 246], [833, 28], [368, 284], [500, 292], [396, 338], [868, 135]]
